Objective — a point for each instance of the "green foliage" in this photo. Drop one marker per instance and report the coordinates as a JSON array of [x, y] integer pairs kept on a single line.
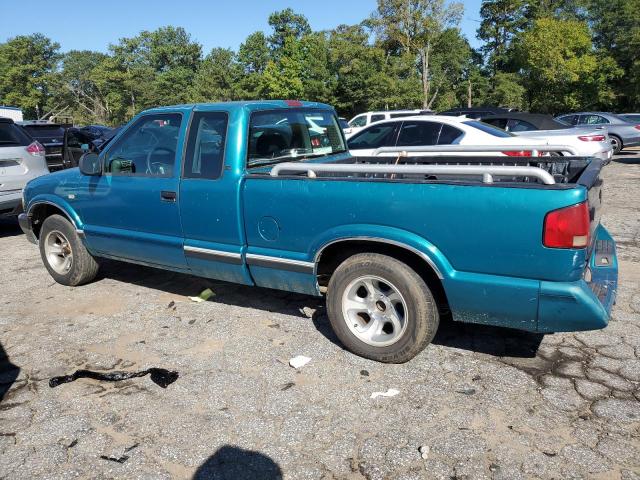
[[27, 66], [560, 68], [543, 55]]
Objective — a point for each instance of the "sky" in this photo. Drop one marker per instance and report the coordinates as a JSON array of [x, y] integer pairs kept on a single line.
[[84, 25]]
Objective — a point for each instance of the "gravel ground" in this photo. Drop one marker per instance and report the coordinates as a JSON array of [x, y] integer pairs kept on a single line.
[[481, 402]]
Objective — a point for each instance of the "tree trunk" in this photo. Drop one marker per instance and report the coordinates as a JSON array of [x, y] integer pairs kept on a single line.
[[469, 103], [426, 82]]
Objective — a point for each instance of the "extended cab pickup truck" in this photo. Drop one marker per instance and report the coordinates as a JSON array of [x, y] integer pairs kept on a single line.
[[265, 193]]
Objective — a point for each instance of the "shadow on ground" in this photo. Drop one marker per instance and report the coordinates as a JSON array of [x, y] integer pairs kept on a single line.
[[9, 228], [8, 373], [495, 341], [239, 464]]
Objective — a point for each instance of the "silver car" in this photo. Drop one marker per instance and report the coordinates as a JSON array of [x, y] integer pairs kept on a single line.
[[21, 159], [622, 133]]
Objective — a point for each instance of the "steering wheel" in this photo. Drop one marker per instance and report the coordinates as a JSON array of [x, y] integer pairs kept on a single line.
[[158, 168]]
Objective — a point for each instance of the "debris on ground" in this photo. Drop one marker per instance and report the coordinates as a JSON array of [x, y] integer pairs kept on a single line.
[[424, 451], [467, 391], [160, 376], [364, 373], [287, 386], [122, 458], [392, 392], [204, 296], [172, 304], [299, 361]]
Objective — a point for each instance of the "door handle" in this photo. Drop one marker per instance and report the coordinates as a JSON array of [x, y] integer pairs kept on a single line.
[[168, 196]]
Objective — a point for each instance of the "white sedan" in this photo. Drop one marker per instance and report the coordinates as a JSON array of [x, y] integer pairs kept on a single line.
[[421, 131]]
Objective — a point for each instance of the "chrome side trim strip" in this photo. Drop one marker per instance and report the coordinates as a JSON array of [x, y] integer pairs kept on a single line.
[[214, 255], [280, 263], [422, 255]]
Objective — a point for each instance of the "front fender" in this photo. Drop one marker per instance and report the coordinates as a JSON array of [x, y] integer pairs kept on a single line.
[[377, 233], [58, 202]]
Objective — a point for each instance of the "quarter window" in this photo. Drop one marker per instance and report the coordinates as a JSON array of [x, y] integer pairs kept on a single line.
[[416, 134], [205, 148], [148, 147], [593, 120]]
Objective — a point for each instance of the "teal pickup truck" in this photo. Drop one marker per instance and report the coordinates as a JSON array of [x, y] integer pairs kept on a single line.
[[265, 193]]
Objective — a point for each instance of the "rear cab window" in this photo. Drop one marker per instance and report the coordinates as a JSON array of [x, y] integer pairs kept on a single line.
[[284, 135]]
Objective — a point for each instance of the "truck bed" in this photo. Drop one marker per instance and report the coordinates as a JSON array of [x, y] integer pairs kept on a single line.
[[564, 170]]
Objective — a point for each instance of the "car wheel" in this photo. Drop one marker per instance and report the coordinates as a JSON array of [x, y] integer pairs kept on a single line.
[[616, 143], [63, 253], [381, 309]]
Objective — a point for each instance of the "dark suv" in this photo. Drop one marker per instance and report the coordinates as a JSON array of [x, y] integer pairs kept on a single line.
[[51, 136]]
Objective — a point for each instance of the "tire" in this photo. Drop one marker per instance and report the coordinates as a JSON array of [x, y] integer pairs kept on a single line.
[[391, 290], [616, 143], [63, 253]]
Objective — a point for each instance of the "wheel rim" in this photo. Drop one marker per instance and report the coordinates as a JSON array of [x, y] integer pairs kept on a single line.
[[58, 252], [614, 143], [374, 310]]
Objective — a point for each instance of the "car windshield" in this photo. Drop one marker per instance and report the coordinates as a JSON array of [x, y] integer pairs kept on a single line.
[[293, 134], [490, 129]]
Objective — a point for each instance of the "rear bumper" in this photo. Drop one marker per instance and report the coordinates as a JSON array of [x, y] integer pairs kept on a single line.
[[27, 227], [585, 304], [10, 203]]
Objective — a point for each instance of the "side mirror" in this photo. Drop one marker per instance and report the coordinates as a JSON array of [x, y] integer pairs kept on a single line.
[[84, 147], [89, 164]]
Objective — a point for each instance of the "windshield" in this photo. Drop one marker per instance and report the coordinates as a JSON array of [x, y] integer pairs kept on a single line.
[[282, 135], [490, 129]]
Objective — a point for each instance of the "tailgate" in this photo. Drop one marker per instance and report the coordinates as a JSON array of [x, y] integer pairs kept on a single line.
[[592, 181]]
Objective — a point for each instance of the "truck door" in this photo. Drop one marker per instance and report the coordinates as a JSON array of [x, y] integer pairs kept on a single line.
[[131, 210], [210, 199]]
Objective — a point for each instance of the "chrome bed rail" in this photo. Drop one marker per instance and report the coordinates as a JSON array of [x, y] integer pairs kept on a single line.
[[487, 171]]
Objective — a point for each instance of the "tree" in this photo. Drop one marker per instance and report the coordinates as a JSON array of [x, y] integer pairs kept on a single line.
[[217, 78], [560, 67], [27, 65], [616, 30], [501, 21], [417, 26], [286, 25]]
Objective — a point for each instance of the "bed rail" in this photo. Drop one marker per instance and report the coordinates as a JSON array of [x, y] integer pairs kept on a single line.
[[486, 171]]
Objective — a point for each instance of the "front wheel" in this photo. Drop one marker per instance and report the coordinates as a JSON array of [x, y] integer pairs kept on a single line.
[[63, 253], [381, 309]]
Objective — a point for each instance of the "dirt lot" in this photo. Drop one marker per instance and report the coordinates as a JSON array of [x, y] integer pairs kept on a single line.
[[483, 402]]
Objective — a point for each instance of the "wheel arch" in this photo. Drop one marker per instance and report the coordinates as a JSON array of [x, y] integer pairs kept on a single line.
[[333, 253], [40, 210]]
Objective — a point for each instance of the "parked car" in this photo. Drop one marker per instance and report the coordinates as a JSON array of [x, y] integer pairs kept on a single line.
[[363, 120], [475, 112], [21, 159], [391, 245], [594, 143], [435, 130], [51, 136], [622, 133], [77, 141], [631, 117], [14, 113]]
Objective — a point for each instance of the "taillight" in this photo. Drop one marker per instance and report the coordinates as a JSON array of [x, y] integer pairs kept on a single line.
[[567, 227], [35, 149], [591, 138], [637, 127], [518, 153]]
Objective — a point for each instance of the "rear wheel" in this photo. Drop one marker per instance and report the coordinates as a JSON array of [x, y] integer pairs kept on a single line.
[[616, 143], [64, 254], [380, 308]]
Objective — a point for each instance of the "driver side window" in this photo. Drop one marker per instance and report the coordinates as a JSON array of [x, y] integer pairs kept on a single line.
[[147, 149]]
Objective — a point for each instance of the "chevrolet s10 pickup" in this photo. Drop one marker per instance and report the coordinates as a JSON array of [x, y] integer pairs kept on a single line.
[[265, 193]]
